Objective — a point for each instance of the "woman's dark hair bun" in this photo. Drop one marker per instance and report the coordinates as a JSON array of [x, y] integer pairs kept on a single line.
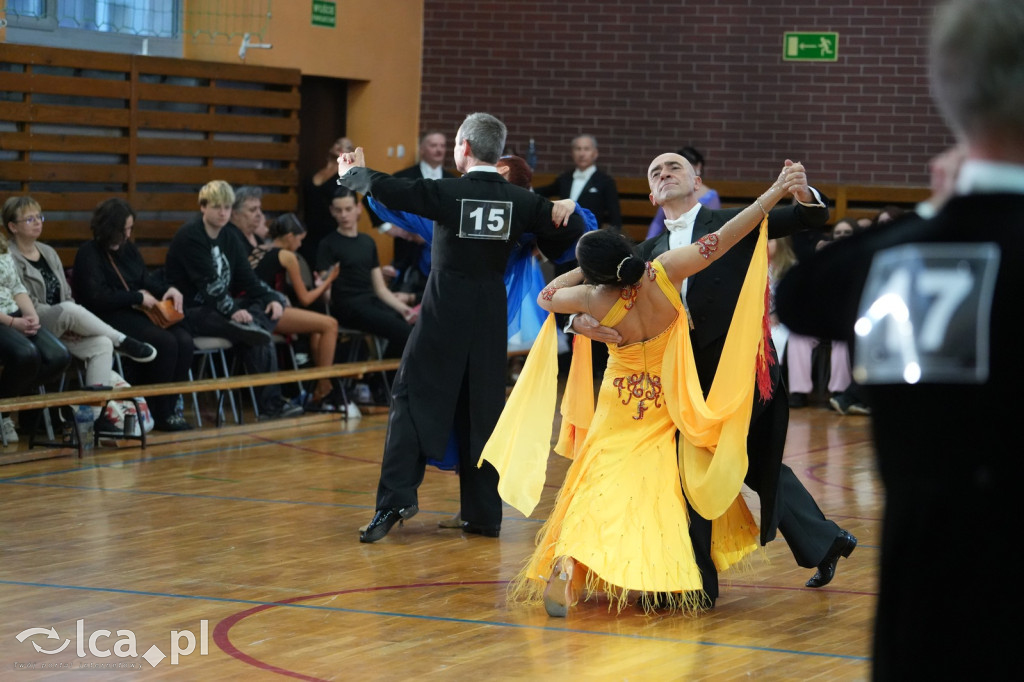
[[608, 257], [632, 270]]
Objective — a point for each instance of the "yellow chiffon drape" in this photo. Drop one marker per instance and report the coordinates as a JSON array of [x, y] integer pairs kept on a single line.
[[613, 449]]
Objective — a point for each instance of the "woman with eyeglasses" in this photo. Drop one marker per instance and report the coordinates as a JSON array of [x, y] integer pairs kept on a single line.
[[111, 279], [89, 338], [29, 354], [277, 265]]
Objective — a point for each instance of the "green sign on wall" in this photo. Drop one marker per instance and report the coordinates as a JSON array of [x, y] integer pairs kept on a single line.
[[324, 13], [810, 47]]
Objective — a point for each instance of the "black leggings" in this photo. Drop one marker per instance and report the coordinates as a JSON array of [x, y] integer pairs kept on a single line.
[[174, 356], [29, 361]]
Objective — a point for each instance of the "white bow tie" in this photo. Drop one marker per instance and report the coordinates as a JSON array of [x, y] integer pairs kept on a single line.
[[677, 224], [579, 175]]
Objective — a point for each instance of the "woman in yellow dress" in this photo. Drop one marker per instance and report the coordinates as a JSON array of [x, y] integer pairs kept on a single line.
[[620, 526]]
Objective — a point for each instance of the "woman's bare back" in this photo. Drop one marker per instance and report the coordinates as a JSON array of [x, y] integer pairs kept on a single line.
[[651, 313]]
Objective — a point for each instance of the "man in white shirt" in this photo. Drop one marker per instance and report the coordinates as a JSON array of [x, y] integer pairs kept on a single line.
[[588, 185]]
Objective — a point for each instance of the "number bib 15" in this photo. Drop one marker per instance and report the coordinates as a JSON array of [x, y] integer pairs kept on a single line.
[[924, 315], [482, 219]]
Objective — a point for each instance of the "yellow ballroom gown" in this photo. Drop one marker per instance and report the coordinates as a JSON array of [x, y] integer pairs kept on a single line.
[[620, 512]]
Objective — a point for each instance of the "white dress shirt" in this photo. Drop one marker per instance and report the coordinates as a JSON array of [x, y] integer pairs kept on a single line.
[[429, 172], [580, 178], [680, 233]]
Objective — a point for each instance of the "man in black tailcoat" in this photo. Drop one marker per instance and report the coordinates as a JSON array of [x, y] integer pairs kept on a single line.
[[946, 420], [711, 298], [453, 369]]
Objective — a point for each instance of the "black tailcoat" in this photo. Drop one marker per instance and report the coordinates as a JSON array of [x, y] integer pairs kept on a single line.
[[453, 369], [947, 453]]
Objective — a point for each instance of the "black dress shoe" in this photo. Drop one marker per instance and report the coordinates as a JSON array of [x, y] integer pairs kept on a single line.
[[486, 531], [384, 519], [843, 545]]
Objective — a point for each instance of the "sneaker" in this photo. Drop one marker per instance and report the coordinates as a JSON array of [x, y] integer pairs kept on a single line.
[[251, 334], [859, 408], [322, 405], [10, 433], [173, 423], [137, 350], [105, 427], [839, 402], [798, 400], [282, 409], [844, 404]]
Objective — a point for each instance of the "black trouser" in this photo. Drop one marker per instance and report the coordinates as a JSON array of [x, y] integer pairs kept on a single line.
[[174, 350], [785, 502], [370, 314], [257, 359], [404, 463]]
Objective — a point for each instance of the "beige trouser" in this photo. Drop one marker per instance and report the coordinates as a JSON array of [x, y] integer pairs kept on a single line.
[[86, 336]]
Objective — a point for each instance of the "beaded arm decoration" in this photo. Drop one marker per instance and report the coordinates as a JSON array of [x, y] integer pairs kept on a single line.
[[707, 245]]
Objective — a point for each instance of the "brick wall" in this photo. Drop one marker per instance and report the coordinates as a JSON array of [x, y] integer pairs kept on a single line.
[[648, 76]]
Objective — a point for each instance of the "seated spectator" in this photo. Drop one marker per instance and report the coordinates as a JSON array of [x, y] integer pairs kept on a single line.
[[112, 280], [274, 263], [247, 216], [85, 335], [29, 354], [359, 297], [801, 348], [223, 296], [705, 195]]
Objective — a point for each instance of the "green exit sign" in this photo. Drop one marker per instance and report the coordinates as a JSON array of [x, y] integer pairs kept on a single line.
[[324, 13], [810, 47]]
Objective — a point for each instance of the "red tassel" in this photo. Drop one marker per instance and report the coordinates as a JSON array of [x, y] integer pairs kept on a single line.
[[765, 358]]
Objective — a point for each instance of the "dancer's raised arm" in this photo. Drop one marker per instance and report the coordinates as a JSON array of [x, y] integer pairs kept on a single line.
[[687, 260]]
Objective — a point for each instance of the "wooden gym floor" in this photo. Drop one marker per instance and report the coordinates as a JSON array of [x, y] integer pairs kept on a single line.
[[244, 540]]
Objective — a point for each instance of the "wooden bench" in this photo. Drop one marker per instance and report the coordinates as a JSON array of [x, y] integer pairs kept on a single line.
[[100, 397]]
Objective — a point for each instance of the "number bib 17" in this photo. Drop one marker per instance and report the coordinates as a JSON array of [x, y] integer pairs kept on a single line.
[[924, 315], [482, 219]]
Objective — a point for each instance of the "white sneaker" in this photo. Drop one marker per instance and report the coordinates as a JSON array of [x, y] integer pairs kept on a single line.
[[10, 434]]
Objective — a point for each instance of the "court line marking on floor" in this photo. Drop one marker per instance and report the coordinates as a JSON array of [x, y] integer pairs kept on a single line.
[[295, 602]]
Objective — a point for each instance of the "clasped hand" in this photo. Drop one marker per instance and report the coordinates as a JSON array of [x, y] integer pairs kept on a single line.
[[350, 160], [793, 179]]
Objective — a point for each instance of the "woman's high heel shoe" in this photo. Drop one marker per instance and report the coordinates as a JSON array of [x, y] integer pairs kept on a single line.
[[558, 594]]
